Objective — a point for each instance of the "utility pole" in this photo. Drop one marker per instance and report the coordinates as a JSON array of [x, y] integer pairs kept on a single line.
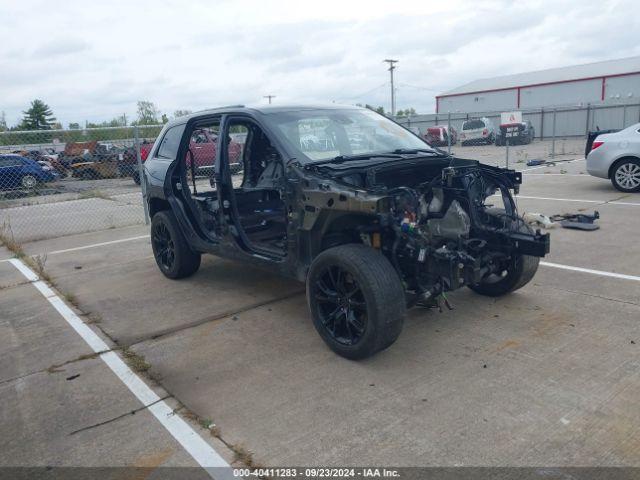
[[393, 91], [269, 97]]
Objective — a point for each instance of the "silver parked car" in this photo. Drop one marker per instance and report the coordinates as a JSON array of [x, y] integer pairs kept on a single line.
[[617, 156], [478, 130]]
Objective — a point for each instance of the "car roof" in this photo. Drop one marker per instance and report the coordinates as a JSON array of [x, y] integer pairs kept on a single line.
[[261, 109]]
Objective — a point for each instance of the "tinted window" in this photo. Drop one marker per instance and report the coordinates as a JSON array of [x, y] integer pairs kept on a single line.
[[170, 142]]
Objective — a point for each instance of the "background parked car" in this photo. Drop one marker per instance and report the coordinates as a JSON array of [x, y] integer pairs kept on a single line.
[[477, 131], [44, 160], [203, 147], [616, 156], [22, 172], [438, 135], [524, 134]]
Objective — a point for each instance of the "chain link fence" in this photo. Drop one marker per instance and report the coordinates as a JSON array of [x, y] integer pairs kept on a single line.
[[548, 133], [63, 182]]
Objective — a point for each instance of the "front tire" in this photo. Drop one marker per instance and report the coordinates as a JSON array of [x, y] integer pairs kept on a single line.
[[29, 182], [356, 299], [173, 254], [625, 176], [519, 271]]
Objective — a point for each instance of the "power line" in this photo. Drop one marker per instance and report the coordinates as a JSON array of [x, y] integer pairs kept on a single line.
[[368, 92], [417, 87]]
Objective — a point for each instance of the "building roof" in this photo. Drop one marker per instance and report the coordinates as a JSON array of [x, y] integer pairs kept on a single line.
[[552, 75]]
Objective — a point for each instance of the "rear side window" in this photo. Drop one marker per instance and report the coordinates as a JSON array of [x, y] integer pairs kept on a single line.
[[11, 161], [170, 142]]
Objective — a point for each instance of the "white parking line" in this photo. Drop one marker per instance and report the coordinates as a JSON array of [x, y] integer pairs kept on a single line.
[[592, 272], [603, 202], [558, 175], [201, 451], [101, 244]]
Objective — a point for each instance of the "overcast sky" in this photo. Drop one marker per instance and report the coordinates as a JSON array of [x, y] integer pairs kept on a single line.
[[93, 60]]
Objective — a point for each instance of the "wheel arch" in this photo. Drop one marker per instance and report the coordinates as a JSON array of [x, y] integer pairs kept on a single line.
[[157, 205], [618, 161]]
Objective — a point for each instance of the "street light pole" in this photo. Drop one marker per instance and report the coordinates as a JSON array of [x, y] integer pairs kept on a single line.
[[269, 97], [393, 91]]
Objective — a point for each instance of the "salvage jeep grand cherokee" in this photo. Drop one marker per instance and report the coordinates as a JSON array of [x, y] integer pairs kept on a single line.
[[369, 215]]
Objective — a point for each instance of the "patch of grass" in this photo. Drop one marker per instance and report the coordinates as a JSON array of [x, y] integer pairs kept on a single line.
[[94, 193], [8, 239], [37, 264], [93, 317], [71, 298], [240, 453], [136, 362]]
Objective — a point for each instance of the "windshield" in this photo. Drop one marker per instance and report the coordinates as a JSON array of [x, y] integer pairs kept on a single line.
[[326, 134]]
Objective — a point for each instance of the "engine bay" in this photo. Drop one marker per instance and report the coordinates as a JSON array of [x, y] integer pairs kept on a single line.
[[442, 229]]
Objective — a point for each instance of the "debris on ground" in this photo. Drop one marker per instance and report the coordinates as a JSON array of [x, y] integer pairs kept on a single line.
[[535, 161], [578, 221], [538, 219]]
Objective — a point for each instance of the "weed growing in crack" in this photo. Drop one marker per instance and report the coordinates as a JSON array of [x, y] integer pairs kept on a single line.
[[136, 361]]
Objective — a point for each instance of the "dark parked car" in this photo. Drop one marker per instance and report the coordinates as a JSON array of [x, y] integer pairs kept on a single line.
[[372, 227], [520, 133], [22, 172]]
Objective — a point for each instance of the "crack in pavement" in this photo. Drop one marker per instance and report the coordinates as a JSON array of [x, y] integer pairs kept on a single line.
[[586, 294], [114, 419], [13, 285], [212, 318], [55, 368]]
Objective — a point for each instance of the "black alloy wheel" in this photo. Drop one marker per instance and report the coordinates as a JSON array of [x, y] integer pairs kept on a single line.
[[341, 305], [164, 248]]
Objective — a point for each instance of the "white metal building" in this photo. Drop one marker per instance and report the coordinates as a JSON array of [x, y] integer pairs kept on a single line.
[[609, 82]]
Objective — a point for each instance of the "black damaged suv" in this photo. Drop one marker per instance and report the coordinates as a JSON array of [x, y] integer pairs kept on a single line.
[[369, 215]]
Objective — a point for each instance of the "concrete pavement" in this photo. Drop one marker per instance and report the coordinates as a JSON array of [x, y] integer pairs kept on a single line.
[[545, 376]]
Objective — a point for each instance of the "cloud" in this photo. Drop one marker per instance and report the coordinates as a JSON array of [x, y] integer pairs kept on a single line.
[[93, 61], [61, 46]]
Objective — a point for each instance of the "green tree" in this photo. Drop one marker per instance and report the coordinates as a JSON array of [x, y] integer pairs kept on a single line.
[[147, 113], [165, 119], [3, 122], [182, 113], [38, 117], [400, 113], [114, 122], [74, 126], [380, 110]]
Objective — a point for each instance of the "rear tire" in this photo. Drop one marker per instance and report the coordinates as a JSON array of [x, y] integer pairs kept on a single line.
[[173, 254], [625, 175], [520, 270], [356, 299]]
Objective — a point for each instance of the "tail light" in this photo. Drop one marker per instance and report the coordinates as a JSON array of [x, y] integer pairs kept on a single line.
[[485, 132], [596, 144]]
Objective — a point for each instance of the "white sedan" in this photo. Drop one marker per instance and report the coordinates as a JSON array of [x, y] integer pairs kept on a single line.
[[616, 156]]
